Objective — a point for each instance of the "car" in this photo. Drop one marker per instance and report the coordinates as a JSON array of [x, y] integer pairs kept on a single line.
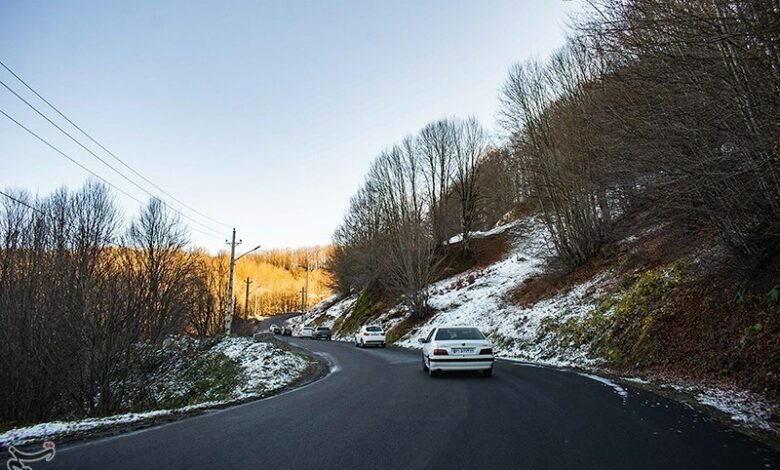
[[306, 331], [370, 335], [452, 348], [275, 329], [286, 331], [322, 332]]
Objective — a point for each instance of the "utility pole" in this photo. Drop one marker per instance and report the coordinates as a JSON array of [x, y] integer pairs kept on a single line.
[[308, 270], [229, 313], [246, 296], [303, 301], [306, 296], [229, 310]]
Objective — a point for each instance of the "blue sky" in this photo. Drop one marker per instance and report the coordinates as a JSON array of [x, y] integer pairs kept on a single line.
[[264, 115]]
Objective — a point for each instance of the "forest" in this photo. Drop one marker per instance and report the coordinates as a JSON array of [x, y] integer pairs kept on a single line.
[[656, 113], [80, 290]]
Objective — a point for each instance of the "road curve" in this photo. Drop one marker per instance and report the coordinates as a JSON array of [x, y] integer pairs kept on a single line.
[[377, 409]]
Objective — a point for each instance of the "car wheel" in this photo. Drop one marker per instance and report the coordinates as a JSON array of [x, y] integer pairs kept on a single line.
[[425, 368], [362, 344], [432, 373]]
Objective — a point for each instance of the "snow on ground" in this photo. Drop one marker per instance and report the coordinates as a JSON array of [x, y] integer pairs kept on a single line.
[[479, 298], [267, 368], [617, 388], [741, 406], [488, 233], [51, 430], [326, 312]]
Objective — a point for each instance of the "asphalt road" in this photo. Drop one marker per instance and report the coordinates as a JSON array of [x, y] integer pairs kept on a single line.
[[377, 409]]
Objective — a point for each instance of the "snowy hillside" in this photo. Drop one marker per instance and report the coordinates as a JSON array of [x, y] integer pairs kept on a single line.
[[479, 297]]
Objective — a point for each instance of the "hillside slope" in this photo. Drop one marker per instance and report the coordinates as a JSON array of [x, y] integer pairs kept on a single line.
[[606, 316]]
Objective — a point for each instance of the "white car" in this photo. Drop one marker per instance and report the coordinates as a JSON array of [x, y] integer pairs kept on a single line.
[[306, 331], [370, 335], [456, 348]]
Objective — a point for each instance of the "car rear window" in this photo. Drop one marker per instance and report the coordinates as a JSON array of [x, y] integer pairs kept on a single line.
[[323, 328], [373, 328], [458, 334]]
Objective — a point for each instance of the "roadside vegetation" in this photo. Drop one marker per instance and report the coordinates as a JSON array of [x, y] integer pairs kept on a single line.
[[181, 377], [89, 301]]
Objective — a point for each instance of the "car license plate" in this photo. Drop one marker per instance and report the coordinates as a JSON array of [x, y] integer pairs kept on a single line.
[[462, 350]]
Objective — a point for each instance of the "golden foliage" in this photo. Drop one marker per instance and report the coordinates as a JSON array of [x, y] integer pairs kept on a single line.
[[277, 278]]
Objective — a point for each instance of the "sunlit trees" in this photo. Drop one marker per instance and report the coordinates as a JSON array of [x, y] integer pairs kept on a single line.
[[77, 295]]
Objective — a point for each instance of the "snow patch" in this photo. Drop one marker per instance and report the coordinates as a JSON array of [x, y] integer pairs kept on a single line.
[[480, 234], [267, 366], [741, 406]]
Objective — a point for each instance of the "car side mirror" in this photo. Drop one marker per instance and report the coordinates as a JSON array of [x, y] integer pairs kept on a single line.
[[421, 340]]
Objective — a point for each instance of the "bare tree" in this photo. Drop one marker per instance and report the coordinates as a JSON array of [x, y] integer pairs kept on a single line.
[[470, 146], [436, 147]]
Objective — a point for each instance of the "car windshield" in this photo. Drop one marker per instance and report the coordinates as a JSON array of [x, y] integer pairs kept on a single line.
[[374, 328], [458, 334]]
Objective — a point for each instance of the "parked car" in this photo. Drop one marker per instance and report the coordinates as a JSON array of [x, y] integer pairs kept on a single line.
[[286, 331], [275, 329], [322, 332], [456, 348], [370, 335], [306, 331]]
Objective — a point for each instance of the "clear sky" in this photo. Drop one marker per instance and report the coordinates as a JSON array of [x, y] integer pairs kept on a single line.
[[264, 115]]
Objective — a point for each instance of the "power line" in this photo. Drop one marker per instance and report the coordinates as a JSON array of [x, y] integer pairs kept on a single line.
[[31, 132], [102, 160], [22, 203], [107, 150]]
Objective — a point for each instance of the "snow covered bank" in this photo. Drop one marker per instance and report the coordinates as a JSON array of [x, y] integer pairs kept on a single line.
[[267, 366], [478, 297], [264, 368]]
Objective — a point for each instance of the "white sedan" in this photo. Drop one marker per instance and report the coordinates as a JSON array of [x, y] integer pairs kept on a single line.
[[456, 348], [306, 331], [370, 335]]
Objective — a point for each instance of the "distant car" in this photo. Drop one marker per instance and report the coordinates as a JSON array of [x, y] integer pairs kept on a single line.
[[370, 335], [306, 331], [275, 329], [286, 331], [322, 332], [456, 348]]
